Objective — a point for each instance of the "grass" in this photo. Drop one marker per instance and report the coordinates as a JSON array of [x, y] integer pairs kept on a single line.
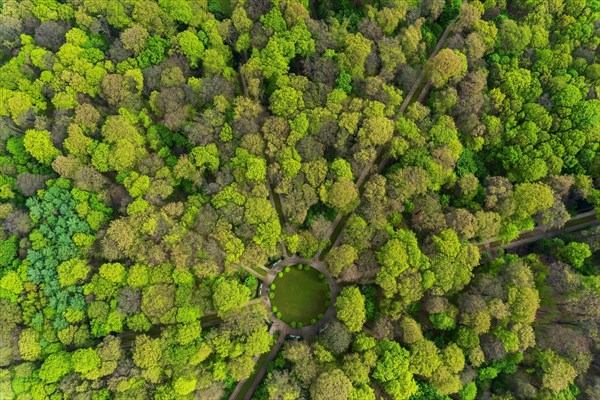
[[300, 295], [259, 270]]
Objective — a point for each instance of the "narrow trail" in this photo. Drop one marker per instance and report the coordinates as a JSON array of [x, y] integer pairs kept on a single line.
[[253, 272], [275, 201], [540, 230], [261, 372], [335, 233], [578, 222], [279, 210]]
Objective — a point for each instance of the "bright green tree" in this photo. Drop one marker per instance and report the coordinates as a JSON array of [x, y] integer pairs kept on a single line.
[[350, 306], [38, 144]]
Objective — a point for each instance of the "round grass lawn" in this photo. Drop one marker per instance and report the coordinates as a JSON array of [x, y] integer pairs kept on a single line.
[[299, 297]]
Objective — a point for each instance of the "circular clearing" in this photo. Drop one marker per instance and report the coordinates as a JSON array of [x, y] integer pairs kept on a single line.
[[299, 295]]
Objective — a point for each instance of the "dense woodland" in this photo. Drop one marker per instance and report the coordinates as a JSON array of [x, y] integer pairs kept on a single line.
[[152, 151]]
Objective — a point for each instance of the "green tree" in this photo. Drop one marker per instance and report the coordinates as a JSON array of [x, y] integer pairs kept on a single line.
[[38, 144], [353, 59], [85, 360], [281, 386], [445, 65], [332, 385], [191, 46], [134, 38], [184, 386], [575, 253], [392, 370], [355, 368], [513, 38], [147, 352], [158, 303], [342, 195], [453, 261], [55, 367], [376, 131], [531, 198], [340, 258], [350, 306], [29, 346], [8, 250], [557, 372], [424, 358], [285, 101], [229, 295], [72, 272]]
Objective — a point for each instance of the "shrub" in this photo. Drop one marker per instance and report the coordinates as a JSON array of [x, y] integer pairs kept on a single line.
[[300, 325], [328, 295], [272, 286], [293, 324], [320, 316], [271, 295], [313, 321], [278, 314], [321, 276], [274, 308], [280, 274], [287, 269]]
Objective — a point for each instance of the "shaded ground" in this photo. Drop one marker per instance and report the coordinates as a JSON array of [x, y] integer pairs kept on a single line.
[[300, 295]]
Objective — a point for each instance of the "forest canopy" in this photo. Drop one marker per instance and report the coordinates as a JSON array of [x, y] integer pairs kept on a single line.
[[430, 167]]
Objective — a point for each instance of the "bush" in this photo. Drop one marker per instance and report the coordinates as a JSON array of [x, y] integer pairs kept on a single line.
[[287, 269], [328, 295], [321, 276], [272, 286], [313, 321], [300, 325], [278, 314], [271, 295], [320, 316], [274, 308], [280, 274], [293, 324]]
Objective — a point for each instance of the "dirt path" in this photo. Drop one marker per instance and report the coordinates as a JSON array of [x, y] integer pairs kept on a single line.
[[253, 272], [578, 222], [279, 211], [283, 332], [540, 231]]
